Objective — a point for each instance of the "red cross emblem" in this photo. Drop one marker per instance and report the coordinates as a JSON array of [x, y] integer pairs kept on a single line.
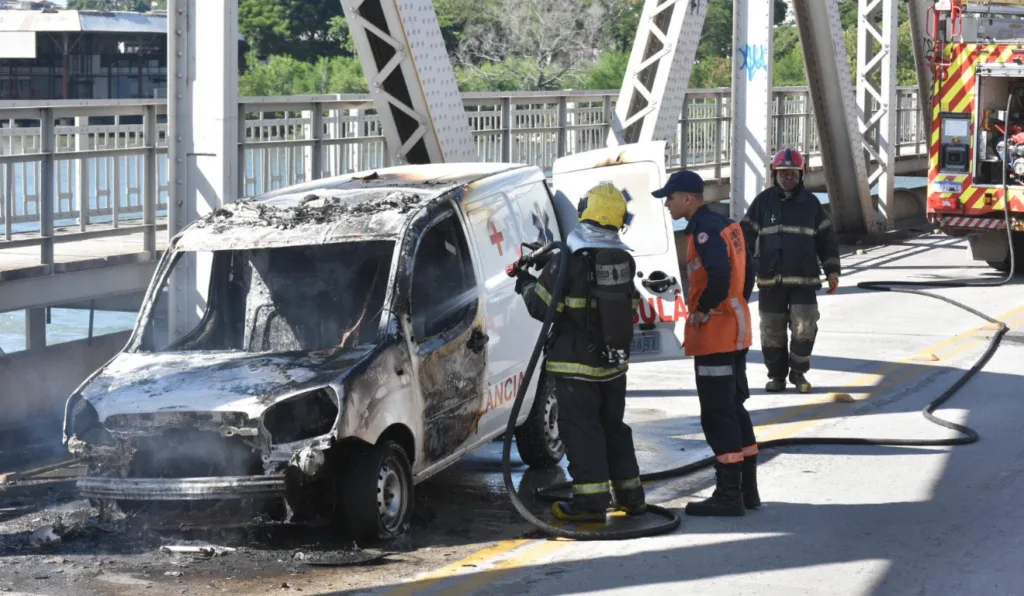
[[497, 238]]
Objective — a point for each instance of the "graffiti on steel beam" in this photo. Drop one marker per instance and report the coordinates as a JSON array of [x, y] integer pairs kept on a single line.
[[755, 58]]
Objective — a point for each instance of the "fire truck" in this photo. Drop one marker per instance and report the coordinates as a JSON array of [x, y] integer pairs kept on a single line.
[[976, 157]]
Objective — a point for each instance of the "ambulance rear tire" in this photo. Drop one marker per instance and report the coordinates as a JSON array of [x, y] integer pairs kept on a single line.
[[537, 439]]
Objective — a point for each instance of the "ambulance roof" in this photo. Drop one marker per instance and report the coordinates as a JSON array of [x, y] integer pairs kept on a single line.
[[370, 205]]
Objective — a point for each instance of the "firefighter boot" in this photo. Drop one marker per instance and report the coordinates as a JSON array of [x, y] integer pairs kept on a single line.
[[570, 511], [628, 496], [751, 498], [776, 385], [727, 500], [798, 379]]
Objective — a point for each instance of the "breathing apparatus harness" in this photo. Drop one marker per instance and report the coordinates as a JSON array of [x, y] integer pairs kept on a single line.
[[548, 493]]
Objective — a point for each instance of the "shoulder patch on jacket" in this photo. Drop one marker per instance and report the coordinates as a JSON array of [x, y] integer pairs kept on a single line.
[[702, 238]]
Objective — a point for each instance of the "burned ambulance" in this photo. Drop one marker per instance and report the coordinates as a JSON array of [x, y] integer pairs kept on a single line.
[[316, 351]]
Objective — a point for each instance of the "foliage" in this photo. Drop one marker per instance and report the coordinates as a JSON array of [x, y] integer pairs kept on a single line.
[[304, 46], [110, 5], [303, 29], [285, 75], [542, 44]]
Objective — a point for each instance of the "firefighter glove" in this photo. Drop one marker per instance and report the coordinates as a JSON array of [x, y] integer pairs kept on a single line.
[[523, 279]]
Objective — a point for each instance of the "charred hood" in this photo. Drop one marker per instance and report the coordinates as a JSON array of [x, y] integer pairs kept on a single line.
[[148, 383]]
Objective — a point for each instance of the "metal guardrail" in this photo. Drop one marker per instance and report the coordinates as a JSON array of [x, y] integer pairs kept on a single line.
[[103, 164]]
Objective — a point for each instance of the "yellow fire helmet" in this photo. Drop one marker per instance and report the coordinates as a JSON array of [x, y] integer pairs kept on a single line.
[[605, 205]]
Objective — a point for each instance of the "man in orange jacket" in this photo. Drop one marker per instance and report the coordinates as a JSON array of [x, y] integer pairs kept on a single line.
[[718, 335]]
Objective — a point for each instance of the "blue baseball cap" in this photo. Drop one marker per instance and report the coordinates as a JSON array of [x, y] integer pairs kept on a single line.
[[681, 181]]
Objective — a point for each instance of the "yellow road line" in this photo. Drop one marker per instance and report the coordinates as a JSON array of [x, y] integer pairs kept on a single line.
[[546, 547], [474, 582], [889, 368], [453, 569], [830, 409]]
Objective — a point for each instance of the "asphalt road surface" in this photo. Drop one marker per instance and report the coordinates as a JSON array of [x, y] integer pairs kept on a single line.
[[835, 520]]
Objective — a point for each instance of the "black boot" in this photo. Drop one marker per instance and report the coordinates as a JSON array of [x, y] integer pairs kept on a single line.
[[751, 498], [775, 385], [727, 500], [798, 379]]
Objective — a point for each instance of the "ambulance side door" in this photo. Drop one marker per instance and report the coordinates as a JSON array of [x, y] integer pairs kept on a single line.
[[637, 169], [497, 232]]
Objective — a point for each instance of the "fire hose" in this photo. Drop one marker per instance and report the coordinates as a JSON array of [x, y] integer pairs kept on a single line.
[[545, 494]]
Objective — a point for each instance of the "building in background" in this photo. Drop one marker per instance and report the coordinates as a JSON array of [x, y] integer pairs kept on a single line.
[[69, 54]]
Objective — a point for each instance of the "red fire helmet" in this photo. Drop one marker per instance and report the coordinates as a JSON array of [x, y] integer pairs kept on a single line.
[[789, 159]]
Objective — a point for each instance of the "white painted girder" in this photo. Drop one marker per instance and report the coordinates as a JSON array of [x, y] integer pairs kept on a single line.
[[877, 100], [924, 45], [411, 79], [654, 89], [835, 113], [751, 102]]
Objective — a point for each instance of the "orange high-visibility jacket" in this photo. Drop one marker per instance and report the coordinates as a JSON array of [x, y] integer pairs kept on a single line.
[[720, 284]]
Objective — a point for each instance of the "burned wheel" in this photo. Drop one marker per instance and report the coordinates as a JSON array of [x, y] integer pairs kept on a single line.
[[376, 492], [537, 439]]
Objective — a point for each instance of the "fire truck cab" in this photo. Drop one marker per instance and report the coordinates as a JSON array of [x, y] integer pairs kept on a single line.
[[976, 157]]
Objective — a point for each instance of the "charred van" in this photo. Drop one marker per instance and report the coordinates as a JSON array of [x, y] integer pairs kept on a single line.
[[358, 334]]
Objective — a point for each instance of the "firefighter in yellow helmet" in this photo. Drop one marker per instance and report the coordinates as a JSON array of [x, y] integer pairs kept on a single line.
[[587, 354]]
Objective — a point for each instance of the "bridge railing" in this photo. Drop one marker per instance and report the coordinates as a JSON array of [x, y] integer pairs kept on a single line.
[[107, 160]]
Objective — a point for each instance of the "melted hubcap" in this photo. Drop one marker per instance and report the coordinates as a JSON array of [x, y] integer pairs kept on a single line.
[[391, 501], [551, 423]]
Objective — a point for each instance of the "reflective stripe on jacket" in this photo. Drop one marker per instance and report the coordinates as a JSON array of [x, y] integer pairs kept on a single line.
[[716, 266], [572, 351], [795, 234]]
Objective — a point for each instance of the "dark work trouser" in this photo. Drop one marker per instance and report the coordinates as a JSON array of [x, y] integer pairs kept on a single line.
[[797, 308], [598, 443], [722, 389]]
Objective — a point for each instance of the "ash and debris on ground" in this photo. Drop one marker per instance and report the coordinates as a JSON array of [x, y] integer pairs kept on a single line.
[[54, 542], [315, 208]]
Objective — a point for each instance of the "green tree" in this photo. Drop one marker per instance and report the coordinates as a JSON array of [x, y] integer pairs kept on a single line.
[[713, 66], [712, 72], [788, 66], [906, 68], [546, 45], [622, 23], [608, 72], [303, 29], [716, 36], [285, 75]]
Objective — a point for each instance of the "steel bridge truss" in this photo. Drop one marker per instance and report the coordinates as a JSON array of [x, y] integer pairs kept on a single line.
[[411, 79], [658, 71], [876, 98], [835, 111]]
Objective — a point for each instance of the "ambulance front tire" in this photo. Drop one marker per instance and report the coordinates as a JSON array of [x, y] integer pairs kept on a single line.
[[537, 439], [375, 490]]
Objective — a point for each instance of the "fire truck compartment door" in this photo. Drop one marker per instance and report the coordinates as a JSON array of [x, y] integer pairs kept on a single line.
[[1002, 69]]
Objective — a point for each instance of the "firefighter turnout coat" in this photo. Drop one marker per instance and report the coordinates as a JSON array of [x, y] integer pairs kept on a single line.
[[720, 283], [795, 235], [574, 348]]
